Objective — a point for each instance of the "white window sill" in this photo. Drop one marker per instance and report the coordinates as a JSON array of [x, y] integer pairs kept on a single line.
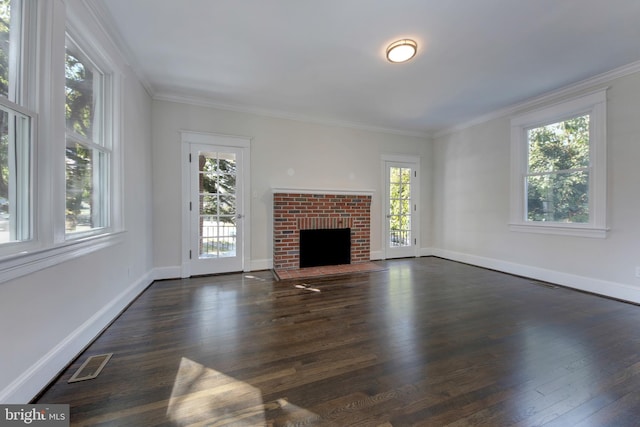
[[28, 262], [561, 230]]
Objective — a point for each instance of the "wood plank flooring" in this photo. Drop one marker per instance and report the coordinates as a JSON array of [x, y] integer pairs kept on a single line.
[[426, 342]]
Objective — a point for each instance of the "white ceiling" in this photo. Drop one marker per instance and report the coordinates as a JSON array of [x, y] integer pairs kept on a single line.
[[323, 60]]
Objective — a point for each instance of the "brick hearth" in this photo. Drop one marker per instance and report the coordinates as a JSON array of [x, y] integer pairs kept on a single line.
[[295, 211]]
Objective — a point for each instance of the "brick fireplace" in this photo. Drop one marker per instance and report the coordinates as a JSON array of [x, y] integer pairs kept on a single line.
[[295, 210]]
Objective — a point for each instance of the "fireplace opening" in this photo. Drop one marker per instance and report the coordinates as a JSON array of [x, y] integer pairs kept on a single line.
[[325, 247]]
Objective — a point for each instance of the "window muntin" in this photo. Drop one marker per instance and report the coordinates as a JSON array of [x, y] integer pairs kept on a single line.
[[88, 154], [557, 178]]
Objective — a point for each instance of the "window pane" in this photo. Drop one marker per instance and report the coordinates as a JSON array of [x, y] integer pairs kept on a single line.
[[5, 45], [9, 47], [399, 206], [399, 233], [86, 188], [217, 205], [5, 235], [208, 183], [217, 176], [227, 205], [218, 236], [83, 87], [559, 146], [15, 176], [561, 197]]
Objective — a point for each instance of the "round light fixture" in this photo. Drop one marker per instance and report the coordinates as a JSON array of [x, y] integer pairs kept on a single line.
[[402, 50]]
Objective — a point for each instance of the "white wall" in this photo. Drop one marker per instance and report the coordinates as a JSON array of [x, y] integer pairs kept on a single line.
[[47, 317], [471, 200], [320, 156]]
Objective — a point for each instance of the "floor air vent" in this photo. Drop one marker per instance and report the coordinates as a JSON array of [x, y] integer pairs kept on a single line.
[[91, 368], [544, 284]]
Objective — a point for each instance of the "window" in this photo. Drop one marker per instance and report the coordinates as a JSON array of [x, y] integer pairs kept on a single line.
[[16, 130], [559, 168], [58, 210], [399, 206], [88, 148], [557, 179]]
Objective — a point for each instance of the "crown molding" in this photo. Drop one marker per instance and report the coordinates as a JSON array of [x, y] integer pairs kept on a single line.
[[574, 89], [265, 112], [105, 20]]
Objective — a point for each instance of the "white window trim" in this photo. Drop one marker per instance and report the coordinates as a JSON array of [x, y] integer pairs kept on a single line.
[[92, 52], [26, 262], [594, 104], [45, 71]]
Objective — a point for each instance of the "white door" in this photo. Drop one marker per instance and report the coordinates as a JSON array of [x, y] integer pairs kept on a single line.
[[401, 207], [216, 209]]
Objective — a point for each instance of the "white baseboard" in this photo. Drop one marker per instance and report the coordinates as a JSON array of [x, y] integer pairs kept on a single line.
[[602, 287], [379, 255], [176, 272], [426, 251], [31, 382], [260, 264], [162, 273]]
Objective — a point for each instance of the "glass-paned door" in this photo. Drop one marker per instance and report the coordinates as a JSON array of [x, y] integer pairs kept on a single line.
[[400, 210], [216, 210]]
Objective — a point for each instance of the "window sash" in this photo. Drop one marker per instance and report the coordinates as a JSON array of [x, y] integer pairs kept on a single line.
[[98, 161], [546, 200], [18, 130], [19, 173], [13, 54], [98, 99]]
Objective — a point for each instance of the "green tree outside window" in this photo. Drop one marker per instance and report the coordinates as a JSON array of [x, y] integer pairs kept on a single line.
[[558, 173]]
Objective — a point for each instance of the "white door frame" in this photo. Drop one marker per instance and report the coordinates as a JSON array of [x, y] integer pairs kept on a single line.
[[414, 162], [189, 138]]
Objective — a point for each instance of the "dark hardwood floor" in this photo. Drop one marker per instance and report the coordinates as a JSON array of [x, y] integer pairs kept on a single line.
[[426, 342]]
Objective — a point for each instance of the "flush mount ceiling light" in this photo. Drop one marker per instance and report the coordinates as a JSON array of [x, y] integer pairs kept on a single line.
[[402, 50]]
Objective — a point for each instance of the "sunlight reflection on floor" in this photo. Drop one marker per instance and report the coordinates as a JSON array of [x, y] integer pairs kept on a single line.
[[204, 396]]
